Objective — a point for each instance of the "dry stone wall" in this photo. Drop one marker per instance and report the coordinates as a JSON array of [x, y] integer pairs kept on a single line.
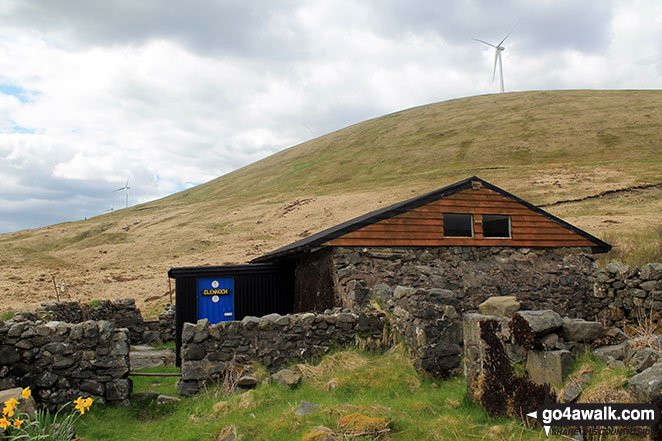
[[121, 312], [627, 294], [61, 361], [273, 340], [549, 278]]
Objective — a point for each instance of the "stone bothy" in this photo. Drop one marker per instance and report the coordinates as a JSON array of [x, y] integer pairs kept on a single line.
[[423, 262], [471, 238]]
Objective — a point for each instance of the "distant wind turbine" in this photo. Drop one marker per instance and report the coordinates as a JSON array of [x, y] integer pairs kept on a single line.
[[497, 55], [306, 126], [126, 190]]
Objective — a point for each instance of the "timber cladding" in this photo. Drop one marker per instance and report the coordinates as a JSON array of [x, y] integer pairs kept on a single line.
[[424, 225]]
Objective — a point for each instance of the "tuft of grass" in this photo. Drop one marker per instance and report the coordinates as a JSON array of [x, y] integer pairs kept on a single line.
[[634, 248], [7, 315], [645, 332], [608, 384]]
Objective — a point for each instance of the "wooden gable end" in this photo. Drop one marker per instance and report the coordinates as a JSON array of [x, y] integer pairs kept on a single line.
[[424, 226]]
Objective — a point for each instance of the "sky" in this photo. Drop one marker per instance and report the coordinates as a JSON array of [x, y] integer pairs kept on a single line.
[[171, 94]]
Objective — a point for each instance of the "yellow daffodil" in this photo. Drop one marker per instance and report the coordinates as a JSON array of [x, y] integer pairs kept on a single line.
[[80, 405], [87, 402], [10, 405], [18, 423], [26, 393], [4, 423]]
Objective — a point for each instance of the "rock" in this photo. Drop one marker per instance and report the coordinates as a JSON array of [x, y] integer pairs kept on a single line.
[[541, 322], [193, 351], [187, 388], [250, 321], [144, 359], [201, 369], [26, 405], [166, 399], [549, 366], [247, 381], [617, 352], [581, 330], [46, 379], [500, 306], [201, 331], [648, 286], [648, 384], [145, 397], [571, 393], [613, 267], [651, 271], [119, 390], [383, 292], [287, 378], [8, 355], [549, 341], [643, 358], [92, 387], [305, 408], [612, 336], [151, 338]]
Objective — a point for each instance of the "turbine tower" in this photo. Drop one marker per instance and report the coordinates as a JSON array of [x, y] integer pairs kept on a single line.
[[126, 190], [497, 56]]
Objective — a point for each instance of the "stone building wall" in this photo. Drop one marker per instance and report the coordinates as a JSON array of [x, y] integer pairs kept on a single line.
[[61, 361], [550, 278], [273, 340], [627, 294]]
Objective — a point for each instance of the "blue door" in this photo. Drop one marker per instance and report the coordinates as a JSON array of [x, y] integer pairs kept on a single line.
[[216, 299]]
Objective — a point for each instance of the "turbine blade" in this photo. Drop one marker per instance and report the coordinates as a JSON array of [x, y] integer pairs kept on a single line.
[[119, 189], [485, 42], [496, 58], [511, 31]]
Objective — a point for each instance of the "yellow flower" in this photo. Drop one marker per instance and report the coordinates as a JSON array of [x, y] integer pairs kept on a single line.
[[80, 405], [87, 402], [4, 423], [26, 393], [10, 405], [18, 423]]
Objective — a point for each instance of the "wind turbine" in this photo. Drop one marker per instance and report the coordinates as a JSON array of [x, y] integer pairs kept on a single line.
[[126, 190], [497, 55]]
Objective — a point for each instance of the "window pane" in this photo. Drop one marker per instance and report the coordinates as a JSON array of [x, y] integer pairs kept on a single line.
[[496, 225], [457, 225]]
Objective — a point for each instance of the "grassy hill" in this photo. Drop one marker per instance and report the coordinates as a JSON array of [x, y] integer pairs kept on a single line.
[[545, 147]]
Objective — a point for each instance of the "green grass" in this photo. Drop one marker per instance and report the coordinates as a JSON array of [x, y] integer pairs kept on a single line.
[[166, 345], [374, 385], [6, 315]]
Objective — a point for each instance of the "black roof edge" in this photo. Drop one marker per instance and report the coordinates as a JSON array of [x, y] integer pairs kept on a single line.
[[393, 210], [229, 270]]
